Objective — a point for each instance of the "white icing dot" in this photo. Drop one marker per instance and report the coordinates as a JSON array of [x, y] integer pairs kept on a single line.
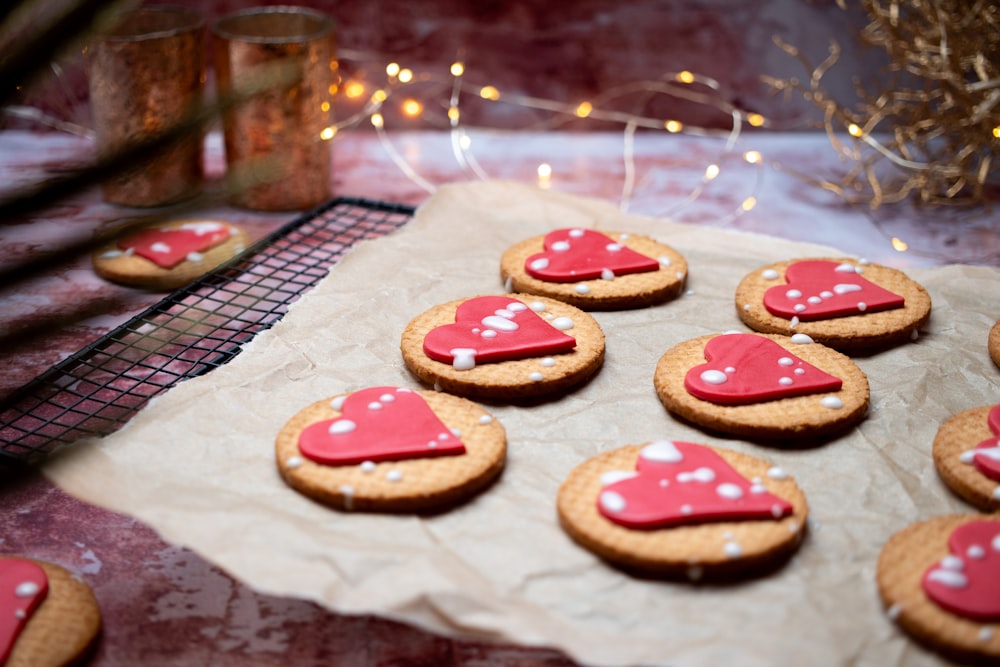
[[799, 307], [774, 472], [703, 475], [500, 322], [368, 466], [799, 371], [776, 511], [576, 233], [826, 294], [338, 403], [19, 613], [612, 502], [159, 247], [560, 246], [111, 254], [976, 552], [537, 306], [996, 494], [26, 589], [613, 247], [662, 451], [793, 294], [729, 491], [832, 402], [769, 274], [432, 444], [489, 333], [607, 274], [536, 377], [563, 323], [713, 376], [985, 634], [347, 490], [746, 306], [801, 339], [387, 398], [680, 276], [785, 381], [445, 436], [948, 578], [486, 419], [394, 476], [539, 264], [664, 261], [580, 288], [846, 288], [862, 306], [686, 509], [793, 526], [996, 542], [730, 370], [733, 550], [293, 462], [914, 334], [374, 405], [847, 268], [548, 362], [194, 257], [794, 322], [785, 361], [341, 426], [757, 488], [613, 476], [953, 563], [463, 358], [814, 300]]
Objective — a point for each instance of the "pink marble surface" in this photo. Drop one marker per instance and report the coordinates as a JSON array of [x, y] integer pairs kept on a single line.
[[166, 605]]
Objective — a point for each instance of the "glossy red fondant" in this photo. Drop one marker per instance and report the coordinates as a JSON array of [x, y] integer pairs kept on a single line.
[[582, 254], [23, 587], [821, 289], [169, 247], [967, 581]]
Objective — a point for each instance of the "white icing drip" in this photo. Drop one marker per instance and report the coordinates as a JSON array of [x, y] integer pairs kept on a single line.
[[713, 376], [894, 611], [612, 502], [832, 402], [111, 254], [338, 403], [703, 475], [348, 493], [794, 322], [967, 456], [342, 426], [508, 285], [129, 252], [607, 274], [801, 339], [991, 453], [500, 322], [729, 491], [563, 323], [26, 589], [662, 451], [463, 358], [949, 578], [846, 288], [613, 476]]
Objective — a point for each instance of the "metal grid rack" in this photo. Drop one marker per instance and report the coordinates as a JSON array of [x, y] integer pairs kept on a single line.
[[190, 332]]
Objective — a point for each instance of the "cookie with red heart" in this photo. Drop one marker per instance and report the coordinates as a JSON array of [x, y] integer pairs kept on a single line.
[[680, 509], [391, 449], [169, 255], [595, 270], [966, 453], [939, 580], [851, 306], [762, 387], [48, 616], [507, 347]]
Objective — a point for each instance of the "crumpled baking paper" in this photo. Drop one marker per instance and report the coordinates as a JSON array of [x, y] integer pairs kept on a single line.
[[198, 463]]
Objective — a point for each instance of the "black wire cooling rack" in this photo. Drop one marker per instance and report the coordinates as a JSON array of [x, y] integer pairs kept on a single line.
[[190, 332]]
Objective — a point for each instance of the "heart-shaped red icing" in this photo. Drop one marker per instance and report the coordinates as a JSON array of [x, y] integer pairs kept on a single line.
[[23, 586], [746, 368], [582, 254], [967, 581], [379, 424], [680, 483], [169, 247], [986, 455], [496, 328], [821, 289]]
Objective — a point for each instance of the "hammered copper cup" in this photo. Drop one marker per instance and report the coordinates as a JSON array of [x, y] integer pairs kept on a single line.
[[146, 73], [277, 153]]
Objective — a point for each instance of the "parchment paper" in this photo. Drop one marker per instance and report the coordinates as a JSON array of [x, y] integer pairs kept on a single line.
[[198, 466]]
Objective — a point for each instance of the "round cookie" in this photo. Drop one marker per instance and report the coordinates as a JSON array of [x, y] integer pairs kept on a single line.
[[50, 616], [688, 537], [818, 412], [953, 452], [865, 293], [169, 255], [391, 449], [911, 554], [503, 347], [993, 343], [618, 270]]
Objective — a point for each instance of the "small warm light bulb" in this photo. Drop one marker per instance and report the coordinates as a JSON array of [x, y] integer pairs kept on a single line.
[[392, 69], [465, 142], [584, 109], [324, 107], [453, 114], [673, 126], [405, 75], [457, 69], [377, 120], [996, 132], [379, 96], [544, 175], [489, 93], [899, 245], [412, 108], [354, 89], [685, 77], [854, 130], [756, 120], [748, 203], [753, 157], [711, 171], [328, 133]]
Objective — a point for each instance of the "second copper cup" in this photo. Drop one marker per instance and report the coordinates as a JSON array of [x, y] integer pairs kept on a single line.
[[277, 149]]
